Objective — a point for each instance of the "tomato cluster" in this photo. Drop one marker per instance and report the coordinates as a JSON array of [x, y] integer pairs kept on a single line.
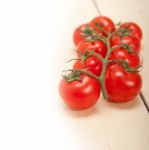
[[108, 61]]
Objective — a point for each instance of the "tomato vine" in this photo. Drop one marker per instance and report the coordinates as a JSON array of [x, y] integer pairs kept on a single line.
[[91, 35]]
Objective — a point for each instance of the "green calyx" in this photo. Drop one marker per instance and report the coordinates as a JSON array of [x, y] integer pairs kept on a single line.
[[87, 31], [123, 32], [71, 75], [91, 35]]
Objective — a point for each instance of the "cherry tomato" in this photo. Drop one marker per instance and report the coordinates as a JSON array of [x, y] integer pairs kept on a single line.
[[78, 34], [80, 94], [133, 60], [105, 23], [135, 30], [93, 64], [97, 46], [122, 86], [131, 41]]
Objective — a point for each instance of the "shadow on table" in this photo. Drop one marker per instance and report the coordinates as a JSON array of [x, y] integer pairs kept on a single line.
[[83, 113], [102, 107], [126, 105]]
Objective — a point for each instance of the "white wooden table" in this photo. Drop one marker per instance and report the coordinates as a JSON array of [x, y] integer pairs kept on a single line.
[[36, 40]]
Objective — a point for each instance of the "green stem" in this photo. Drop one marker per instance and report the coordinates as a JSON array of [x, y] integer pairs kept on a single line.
[[95, 54], [87, 73], [102, 76], [73, 59], [113, 33], [125, 65], [101, 28], [99, 37], [105, 64], [102, 80], [96, 37]]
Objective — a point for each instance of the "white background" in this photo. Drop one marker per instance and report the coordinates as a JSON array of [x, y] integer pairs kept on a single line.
[[35, 41], [27, 64]]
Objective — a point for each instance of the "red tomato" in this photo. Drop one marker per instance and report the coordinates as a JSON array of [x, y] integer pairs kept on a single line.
[[93, 64], [80, 94], [131, 41], [133, 60], [105, 22], [78, 36], [122, 86], [97, 46], [135, 30]]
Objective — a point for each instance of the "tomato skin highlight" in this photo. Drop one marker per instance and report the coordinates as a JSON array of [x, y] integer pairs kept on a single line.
[[106, 23], [131, 41], [134, 28], [122, 86], [97, 46], [133, 60], [80, 94], [92, 64]]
